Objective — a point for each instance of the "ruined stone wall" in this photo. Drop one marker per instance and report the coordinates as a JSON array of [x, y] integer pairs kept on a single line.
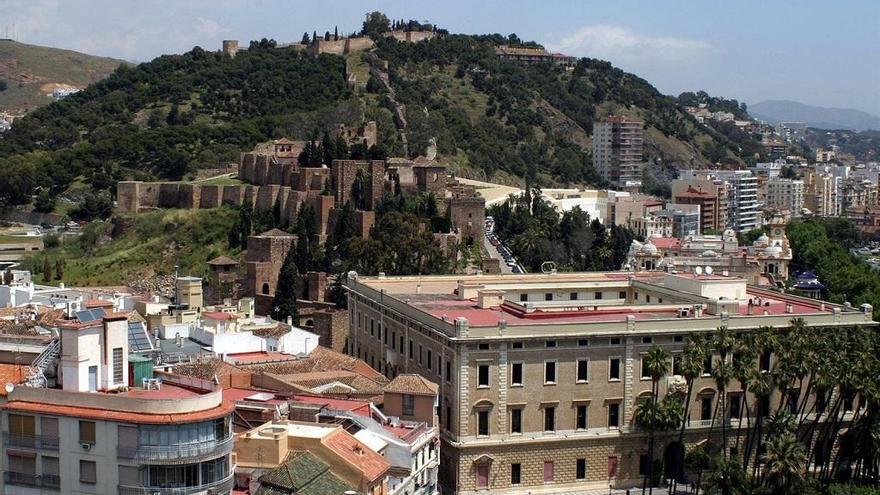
[[331, 325], [128, 196], [169, 195], [265, 255], [411, 36], [343, 174], [468, 216], [430, 179]]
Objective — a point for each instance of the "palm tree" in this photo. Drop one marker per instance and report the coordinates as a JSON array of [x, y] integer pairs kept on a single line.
[[657, 362], [691, 367], [784, 464]]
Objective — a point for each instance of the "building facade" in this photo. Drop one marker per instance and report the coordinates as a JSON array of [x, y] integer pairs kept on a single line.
[[785, 195], [540, 374], [617, 151]]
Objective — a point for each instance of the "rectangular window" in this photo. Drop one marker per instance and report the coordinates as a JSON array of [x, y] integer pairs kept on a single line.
[[707, 365], [614, 341], [583, 342], [646, 373], [516, 374], [580, 471], [420, 353], [401, 344], [549, 372], [448, 371], [483, 347], [88, 472], [550, 343], [647, 298], [765, 361], [385, 337], [87, 432], [51, 466], [613, 415], [735, 405], [117, 365], [482, 476], [408, 405], [523, 298], [483, 375], [430, 358], [548, 472], [643, 464], [678, 338], [410, 349], [515, 474], [622, 295], [517, 345], [706, 408], [676, 364], [550, 418], [548, 296], [598, 294], [573, 296], [614, 369], [393, 341], [22, 426], [581, 417], [583, 370], [483, 423], [516, 420], [22, 464], [647, 340]]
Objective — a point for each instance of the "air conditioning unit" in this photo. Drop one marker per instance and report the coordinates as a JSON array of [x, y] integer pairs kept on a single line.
[[86, 446]]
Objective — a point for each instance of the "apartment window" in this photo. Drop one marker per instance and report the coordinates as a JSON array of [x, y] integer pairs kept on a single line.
[[393, 340], [622, 294], [430, 358], [385, 337], [765, 361], [548, 472], [707, 365], [22, 464], [614, 341], [549, 372], [548, 296], [550, 418], [88, 472], [550, 343], [517, 345], [409, 404], [580, 471], [646, 373], [583, 342], [735, 405], [483, 347], [515, 474], [706, 408], [647, 340], [581, 417], [583, 370], [420, 353], [410, 349], [598, 294], [439, 365], [117, 365], [523, 298], [483, 375], [516, 420], [50, 467], [372, 328], [647, 298], [401, 343], [87, 432], [613, 415], [22, 426], [483, 423], [516, 374], [614, 369], [573, 296], [448, 371], [678, 338]]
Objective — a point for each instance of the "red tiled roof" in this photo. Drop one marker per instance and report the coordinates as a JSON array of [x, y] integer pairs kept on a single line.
[[97, 303], [219, 315], [11, 373], [412, 384], [223, 260], [372, 465], [223, 409], [260, 357], [359, 407]]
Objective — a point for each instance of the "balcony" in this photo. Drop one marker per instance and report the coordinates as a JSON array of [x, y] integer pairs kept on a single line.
[[48, 481], [44, 442], [220, 487], [176, 454]]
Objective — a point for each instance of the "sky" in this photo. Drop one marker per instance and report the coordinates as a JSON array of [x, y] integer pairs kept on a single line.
[[823, 53]]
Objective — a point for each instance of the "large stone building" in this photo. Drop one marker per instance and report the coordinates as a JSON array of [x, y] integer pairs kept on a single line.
[[785, 195], [540, 374], [617, 151]]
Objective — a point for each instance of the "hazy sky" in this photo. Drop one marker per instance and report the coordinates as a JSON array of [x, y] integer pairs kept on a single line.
[[818, 52]]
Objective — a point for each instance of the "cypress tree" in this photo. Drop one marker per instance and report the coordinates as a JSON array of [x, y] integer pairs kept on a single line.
[[59, 269], [314, 36], [284, 305], [305, 39], [335, 33], [47, 270], [245, 219]]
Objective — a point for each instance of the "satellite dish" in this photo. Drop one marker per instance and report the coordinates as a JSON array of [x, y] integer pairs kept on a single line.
[[9, 388], [708, 270], [698, 270]]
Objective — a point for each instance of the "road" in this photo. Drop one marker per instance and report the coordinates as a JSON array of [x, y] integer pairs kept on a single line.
[[493, 253]]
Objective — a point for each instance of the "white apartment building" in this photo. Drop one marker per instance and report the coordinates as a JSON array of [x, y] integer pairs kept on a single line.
[[785, 194], [617, 151], [742, 198]]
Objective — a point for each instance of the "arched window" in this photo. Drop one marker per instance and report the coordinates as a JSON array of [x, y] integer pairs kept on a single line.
[[265, 288]]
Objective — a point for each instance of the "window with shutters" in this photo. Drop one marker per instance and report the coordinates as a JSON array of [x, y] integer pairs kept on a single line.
[[88, 472], [117, 365], [87, 432]]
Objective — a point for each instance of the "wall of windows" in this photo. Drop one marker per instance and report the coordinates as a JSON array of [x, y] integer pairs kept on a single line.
[[165, 435]]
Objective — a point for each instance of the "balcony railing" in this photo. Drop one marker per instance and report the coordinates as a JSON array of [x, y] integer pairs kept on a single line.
[[220, 487], [45, 442], [176, 454], [48, 481]]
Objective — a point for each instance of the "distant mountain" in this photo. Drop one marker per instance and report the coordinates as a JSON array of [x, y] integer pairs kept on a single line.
[[32, 72], [774, 111]]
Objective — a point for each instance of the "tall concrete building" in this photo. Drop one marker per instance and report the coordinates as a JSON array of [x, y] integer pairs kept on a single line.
[[785, 195], [540, 374], [617, 151], [82, 422], [741, 187]]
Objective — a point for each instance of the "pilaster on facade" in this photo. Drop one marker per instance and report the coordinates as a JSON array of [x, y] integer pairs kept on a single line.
[[464, 403], [628, 382], [502, 388]]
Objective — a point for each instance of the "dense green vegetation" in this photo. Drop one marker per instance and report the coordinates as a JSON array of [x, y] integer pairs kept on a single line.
[[821, 246], [812, 402], [535, 232], [864, 146]]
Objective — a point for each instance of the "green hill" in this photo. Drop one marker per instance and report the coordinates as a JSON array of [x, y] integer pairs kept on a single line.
[[31, 72], [494, 119]]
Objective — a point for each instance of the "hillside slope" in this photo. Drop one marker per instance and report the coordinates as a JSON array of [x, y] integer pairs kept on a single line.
[[31, 72], [774, 111]]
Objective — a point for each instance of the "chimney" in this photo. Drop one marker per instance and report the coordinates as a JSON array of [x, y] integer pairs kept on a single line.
[[178, 340]]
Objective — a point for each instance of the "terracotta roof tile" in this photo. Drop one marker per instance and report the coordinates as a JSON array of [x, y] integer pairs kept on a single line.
[[345, 445], [412, 384], [223, 260]]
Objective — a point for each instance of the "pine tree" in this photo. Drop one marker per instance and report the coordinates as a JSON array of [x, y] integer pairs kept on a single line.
[[47, 269], [284, 306], [328, 149], [305, 39], [59, 269]]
